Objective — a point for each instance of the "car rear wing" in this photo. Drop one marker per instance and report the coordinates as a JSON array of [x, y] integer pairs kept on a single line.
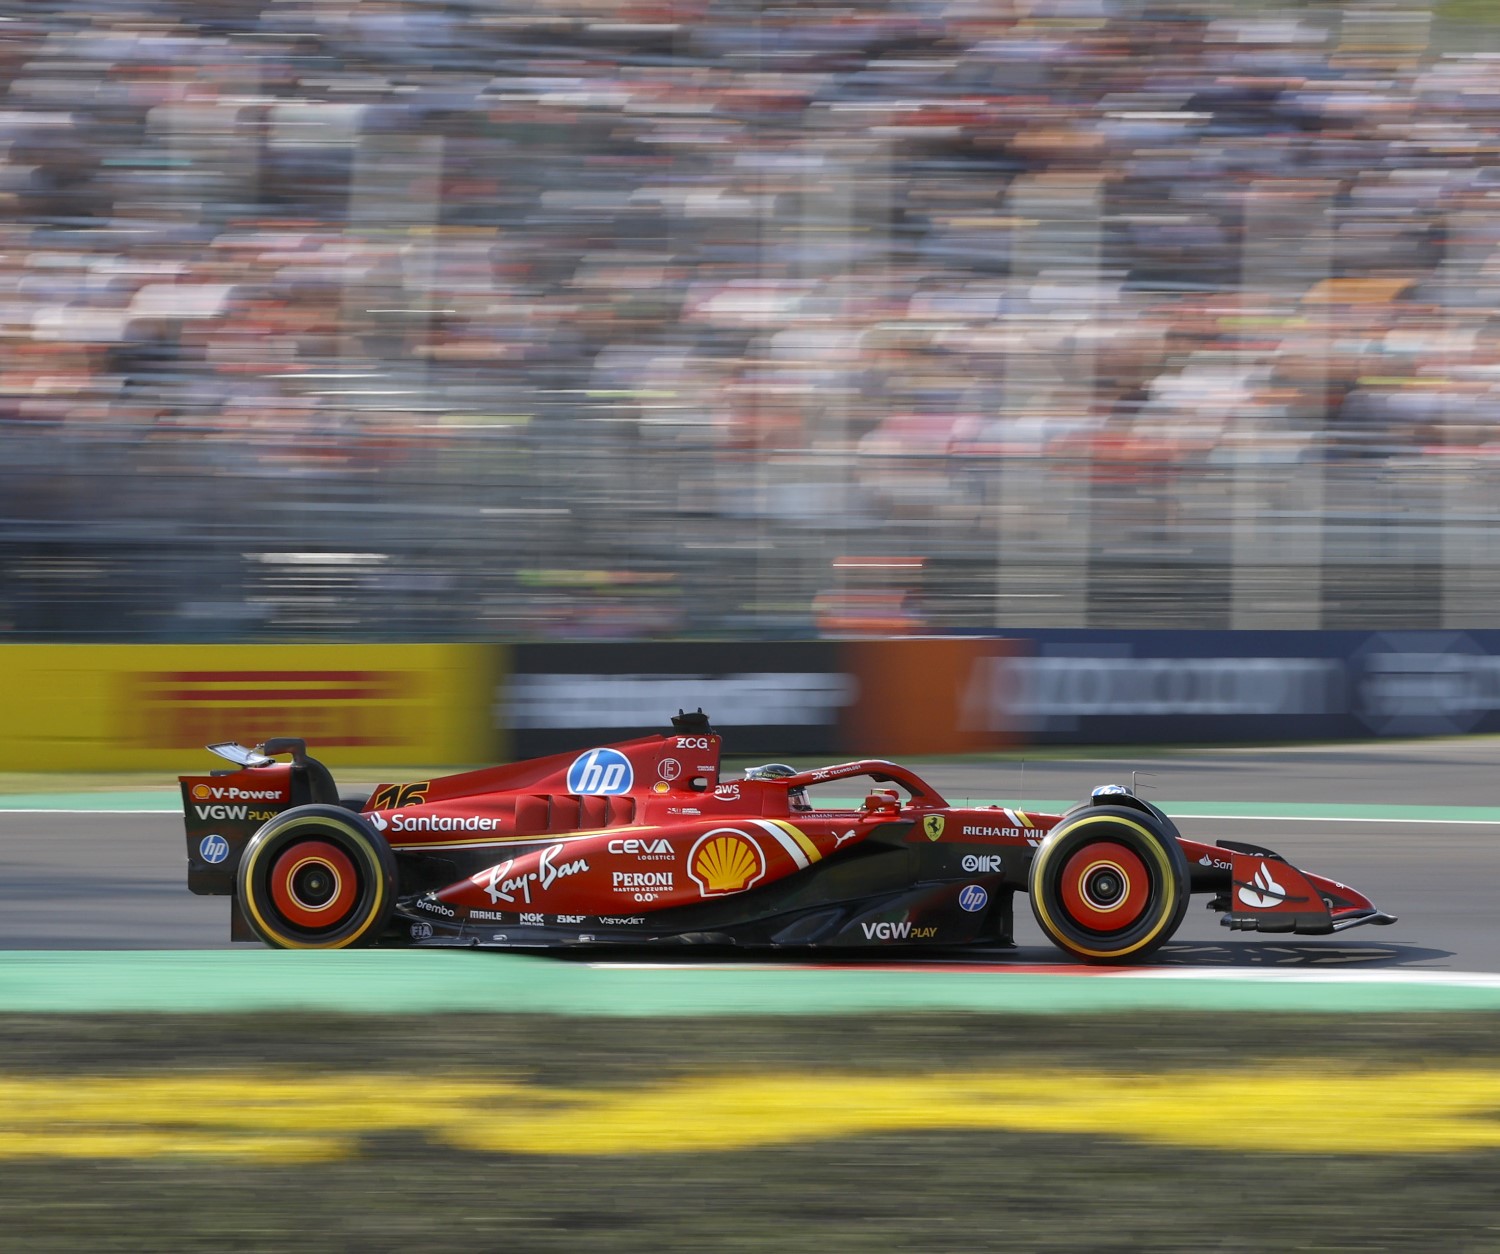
[[223, 809]]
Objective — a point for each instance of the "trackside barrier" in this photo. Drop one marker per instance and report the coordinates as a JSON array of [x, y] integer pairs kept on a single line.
[[1158, 687], [766, 698], [153, 707], [84, 707], [902, 696]]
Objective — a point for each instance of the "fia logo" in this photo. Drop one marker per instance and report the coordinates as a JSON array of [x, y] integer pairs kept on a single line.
[[600, 773]]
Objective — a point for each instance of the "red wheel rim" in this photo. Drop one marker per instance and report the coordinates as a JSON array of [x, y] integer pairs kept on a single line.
[[314, 884], [1105, 886]]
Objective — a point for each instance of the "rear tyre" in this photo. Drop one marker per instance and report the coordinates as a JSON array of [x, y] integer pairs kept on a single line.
[[1107, 885], [317, 877]]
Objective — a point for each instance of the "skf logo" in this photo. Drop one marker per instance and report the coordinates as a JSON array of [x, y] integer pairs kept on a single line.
[[933, 826], [330, 708], [725, 860], [394, 796]]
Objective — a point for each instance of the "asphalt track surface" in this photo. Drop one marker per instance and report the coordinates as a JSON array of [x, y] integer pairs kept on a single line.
[[116, 881]]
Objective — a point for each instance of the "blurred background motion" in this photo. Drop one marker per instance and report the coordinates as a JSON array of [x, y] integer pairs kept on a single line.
[[634, 319]]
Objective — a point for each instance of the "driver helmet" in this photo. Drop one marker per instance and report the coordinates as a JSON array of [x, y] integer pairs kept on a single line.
[[796, 797]]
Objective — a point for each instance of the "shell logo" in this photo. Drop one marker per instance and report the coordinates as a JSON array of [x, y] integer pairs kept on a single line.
[[725, 860], [200, 792]]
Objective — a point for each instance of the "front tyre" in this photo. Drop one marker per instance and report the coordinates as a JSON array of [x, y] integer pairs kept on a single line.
[[317, 877], [1108, 886]]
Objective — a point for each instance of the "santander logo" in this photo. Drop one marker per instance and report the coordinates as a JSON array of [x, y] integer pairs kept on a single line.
[[1270, 892]]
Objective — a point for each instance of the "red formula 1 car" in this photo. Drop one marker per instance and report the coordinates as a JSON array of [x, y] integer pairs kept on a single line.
[[642, 842]]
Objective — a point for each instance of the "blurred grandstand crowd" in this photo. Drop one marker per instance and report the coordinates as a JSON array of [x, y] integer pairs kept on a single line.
[[411, 318]]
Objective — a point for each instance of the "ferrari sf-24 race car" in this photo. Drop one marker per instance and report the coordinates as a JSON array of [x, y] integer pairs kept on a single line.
[[642, 842]]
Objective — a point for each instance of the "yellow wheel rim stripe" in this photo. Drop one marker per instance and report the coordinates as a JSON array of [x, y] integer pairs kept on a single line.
[[1157, 853], [377, 906]]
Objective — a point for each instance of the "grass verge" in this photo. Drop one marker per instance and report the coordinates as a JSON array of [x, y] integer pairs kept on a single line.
[[914, 1190]]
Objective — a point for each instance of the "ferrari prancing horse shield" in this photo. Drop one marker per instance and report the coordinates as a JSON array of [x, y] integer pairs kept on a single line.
[[933, 826]]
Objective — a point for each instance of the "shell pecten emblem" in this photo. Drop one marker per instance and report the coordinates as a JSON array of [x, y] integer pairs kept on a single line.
[[726, 860]]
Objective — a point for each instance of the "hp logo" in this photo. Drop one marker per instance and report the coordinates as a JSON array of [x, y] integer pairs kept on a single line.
[[600, 773], [213, 849], [973, 898]]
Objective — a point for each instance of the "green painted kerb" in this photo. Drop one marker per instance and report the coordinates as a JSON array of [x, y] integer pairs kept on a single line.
[[147, 801], [421, 982]]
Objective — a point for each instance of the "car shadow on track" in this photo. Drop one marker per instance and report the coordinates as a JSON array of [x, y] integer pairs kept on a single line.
[[1263, 953], [1032, 958]]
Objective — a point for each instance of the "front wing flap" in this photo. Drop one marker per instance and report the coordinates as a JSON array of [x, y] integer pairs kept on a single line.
[[1269, 894]]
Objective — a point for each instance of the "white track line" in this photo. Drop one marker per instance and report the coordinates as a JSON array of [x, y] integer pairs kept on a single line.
[[1460, 979], [1456, 979]]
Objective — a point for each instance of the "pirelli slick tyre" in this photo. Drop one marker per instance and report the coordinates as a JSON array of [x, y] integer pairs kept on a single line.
[[1108, 885], [317, 877]]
